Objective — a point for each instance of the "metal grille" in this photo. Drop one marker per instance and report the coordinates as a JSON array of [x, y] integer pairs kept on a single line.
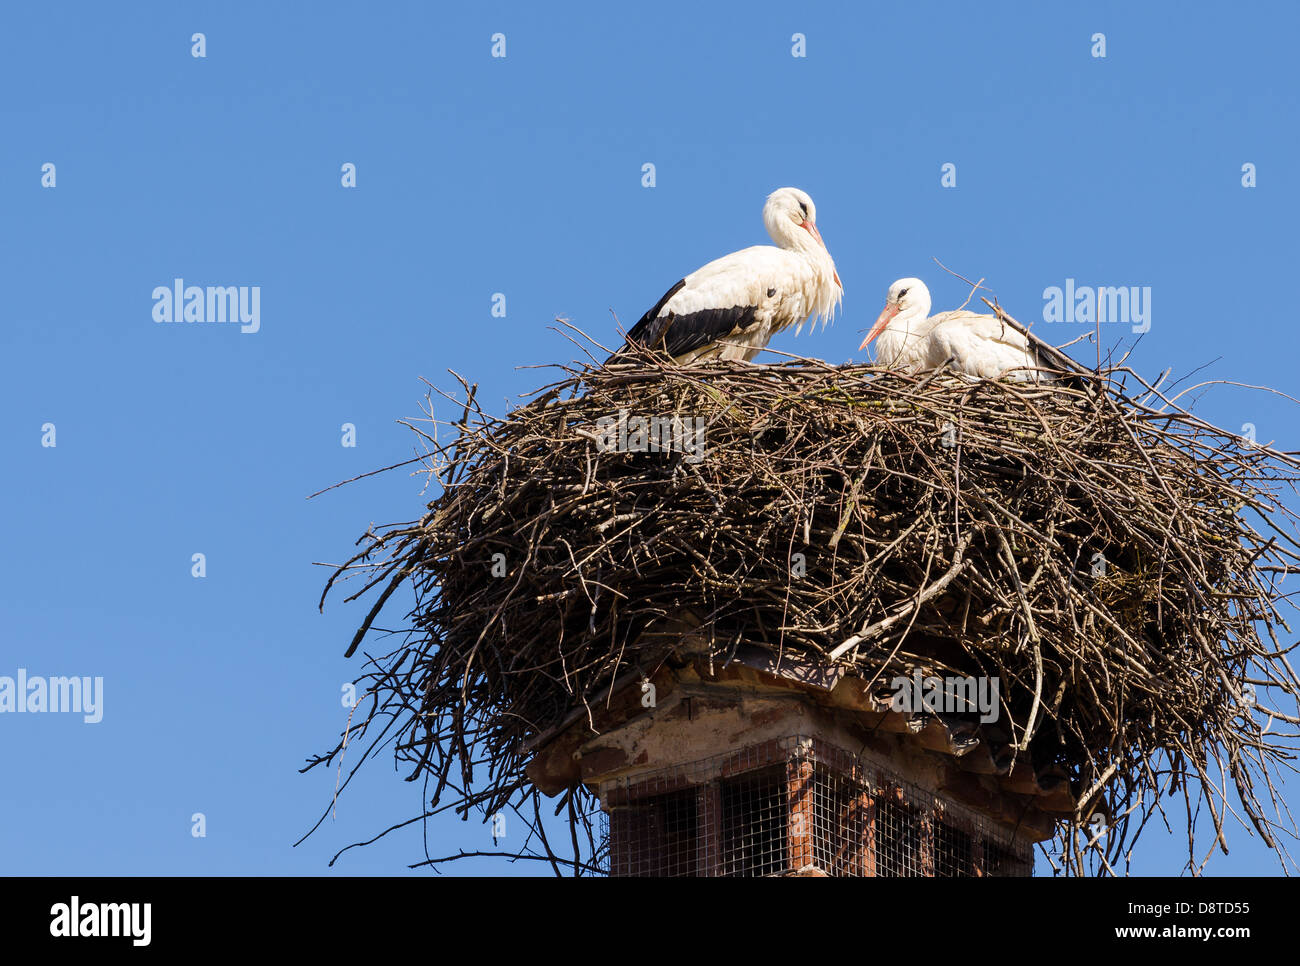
[[954, 855], [898, 846], [1004, 862], [798, 804], [658, 836], [842, 824], [754, 819]]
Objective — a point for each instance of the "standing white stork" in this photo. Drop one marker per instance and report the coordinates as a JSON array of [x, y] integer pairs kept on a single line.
[[983, 346], [731, 308]]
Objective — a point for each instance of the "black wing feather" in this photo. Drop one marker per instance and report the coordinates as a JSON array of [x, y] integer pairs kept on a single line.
[[679, 334], [696, 330], [651, 328]]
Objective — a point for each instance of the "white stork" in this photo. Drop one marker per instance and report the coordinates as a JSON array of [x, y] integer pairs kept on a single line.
[[982, 346], [731, 307]]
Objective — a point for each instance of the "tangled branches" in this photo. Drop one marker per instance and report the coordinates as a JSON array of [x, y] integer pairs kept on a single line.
[[1114, 560]]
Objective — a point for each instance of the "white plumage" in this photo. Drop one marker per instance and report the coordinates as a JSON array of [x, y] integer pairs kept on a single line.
[[731, 308], [982, 346]]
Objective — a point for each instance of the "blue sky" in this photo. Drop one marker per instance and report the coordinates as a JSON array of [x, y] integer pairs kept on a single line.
[[520, 176]]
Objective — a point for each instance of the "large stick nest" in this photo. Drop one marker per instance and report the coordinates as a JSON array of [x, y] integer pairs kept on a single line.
[[1111, 558]]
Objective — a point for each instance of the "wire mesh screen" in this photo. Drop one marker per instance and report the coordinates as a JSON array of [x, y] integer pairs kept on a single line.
[[798, 805], [755, 814], [954, 851], [659, 835], [900, 839]]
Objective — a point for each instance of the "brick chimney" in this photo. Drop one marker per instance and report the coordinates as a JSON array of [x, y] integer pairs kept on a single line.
[[760, 768]]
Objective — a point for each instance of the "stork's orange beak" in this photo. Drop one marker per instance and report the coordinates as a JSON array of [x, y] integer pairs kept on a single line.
[[889, 312]]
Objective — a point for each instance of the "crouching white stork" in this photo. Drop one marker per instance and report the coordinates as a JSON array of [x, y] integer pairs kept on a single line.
[[983, 346], [731, 308]]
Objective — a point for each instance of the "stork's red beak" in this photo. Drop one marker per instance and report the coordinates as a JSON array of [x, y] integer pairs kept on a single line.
[[889, 312]]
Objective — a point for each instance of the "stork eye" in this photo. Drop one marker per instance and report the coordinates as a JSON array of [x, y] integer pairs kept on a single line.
[[804, 209], [901, 294]]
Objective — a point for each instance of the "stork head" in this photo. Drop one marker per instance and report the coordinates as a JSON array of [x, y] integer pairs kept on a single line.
[[791, 220], [908, 299]]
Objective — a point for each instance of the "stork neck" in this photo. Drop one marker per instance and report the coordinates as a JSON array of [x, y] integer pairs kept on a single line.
[[909, 320], [803, 241], [916, 312], [902, 331], [795, 238]]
